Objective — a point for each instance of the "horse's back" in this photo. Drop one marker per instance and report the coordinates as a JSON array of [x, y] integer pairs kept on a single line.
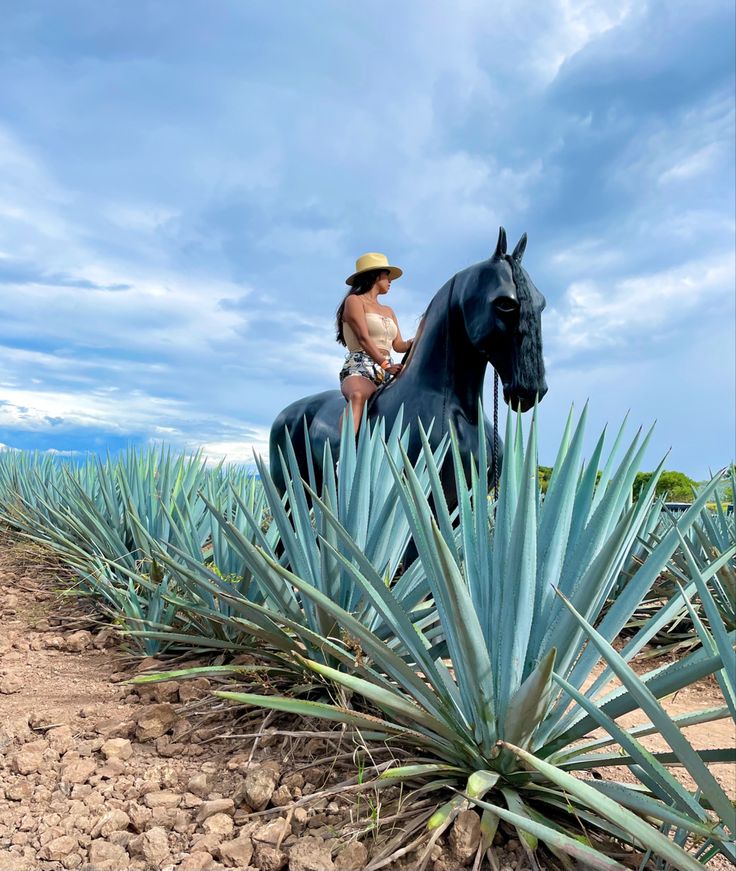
[[321, 411]]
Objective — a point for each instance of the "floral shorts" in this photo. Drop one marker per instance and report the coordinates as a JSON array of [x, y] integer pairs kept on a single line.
[[360, 363]]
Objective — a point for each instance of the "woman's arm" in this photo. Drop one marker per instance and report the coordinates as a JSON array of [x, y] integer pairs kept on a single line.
[[401, 346], [354, 315]]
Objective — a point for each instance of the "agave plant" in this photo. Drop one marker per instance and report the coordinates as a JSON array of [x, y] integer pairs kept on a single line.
[[712, 533], [364, 499], [505, 718], [111, 520]]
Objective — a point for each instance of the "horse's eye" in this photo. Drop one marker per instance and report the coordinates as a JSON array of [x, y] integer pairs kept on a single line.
[[507, 307]]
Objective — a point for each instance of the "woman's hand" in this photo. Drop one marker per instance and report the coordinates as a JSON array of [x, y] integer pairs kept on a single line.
[[394, 369]]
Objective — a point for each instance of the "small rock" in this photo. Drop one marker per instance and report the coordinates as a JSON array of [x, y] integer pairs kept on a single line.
[[121, 838], [310, 854], [53, 642], [153, 846], [164, 798], [299, 819], [191, 690], [183, 822], [281, 797], [167, 748], [104, 856], [199, 785], [219, 824], [218, 806], [205, 843], [353, 857], [442, 859], [139, 815], [190, 800], [114, 727], [199, 861], [293, 781], [56, 850], [78, 641], [21, 790], [10, 683], [166, 691], [259, 786], [273, 832], [148, 663], [27, 761], [78, 770], [112, 768], [61, 738], [465, 836], [154, 721], [113, 821], [117, 748], [165, 817], [237, 853], [105, 638]]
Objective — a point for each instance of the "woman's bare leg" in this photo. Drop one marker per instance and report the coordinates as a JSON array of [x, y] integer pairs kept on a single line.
[[357, 390]]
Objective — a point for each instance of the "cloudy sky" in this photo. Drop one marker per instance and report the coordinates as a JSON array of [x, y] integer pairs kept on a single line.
[[185, 185]]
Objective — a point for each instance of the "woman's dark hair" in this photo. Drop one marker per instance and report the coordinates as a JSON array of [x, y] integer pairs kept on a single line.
[[362, 284]]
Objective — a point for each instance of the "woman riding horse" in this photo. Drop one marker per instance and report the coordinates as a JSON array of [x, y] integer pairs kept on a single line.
[[489, 313], [369, 330]]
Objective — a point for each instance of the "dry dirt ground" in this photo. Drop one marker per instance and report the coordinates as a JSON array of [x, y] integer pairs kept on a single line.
[[95, 774]]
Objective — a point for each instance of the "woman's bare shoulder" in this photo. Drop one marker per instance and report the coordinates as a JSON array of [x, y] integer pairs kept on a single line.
[[353, 303]]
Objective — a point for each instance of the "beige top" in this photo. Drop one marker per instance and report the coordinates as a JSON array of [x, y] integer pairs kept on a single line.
[[381, 329]]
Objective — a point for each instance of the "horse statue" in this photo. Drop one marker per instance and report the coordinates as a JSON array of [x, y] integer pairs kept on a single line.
[[487, 313]]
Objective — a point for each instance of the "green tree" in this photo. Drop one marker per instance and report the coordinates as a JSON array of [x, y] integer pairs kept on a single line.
[[676, 485], [544, 473]]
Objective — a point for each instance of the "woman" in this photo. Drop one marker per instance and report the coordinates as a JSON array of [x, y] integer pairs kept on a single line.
[[369, 330]]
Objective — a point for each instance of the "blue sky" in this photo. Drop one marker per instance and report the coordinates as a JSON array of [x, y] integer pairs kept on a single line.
[[184, 187]]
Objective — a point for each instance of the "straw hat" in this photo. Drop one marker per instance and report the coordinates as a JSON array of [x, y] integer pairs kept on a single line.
[[366, 262]]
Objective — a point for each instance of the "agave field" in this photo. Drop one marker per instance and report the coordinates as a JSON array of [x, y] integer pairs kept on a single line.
[[493, 670]]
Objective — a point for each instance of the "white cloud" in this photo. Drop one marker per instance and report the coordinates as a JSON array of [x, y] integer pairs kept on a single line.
[[114, 413], [695, 164], [241, 452], [679, 147], [594, 316], [576, 23]]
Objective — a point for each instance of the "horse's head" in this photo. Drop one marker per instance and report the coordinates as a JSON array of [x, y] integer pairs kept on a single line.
[[502, 314]]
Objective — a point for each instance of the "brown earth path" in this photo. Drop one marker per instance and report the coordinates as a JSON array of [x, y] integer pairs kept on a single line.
[[96, 775]]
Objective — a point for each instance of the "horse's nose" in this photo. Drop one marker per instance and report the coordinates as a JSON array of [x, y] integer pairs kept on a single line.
[[523, 399]]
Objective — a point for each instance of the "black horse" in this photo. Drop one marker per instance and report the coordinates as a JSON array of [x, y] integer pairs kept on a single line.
[[488, 313]]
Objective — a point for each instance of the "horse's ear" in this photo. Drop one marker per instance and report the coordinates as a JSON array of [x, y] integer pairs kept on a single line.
[[500, 245], [518, 252]]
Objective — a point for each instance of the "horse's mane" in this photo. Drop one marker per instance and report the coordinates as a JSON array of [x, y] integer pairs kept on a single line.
[[528, 348], [420, 329]]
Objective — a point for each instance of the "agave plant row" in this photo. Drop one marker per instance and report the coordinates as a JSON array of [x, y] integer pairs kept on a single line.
[[493, 657], [712, 533]]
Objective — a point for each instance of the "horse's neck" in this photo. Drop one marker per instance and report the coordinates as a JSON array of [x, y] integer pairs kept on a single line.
[[443, 359]]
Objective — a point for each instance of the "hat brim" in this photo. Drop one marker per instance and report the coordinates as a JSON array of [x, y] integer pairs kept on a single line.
[[393, 273]]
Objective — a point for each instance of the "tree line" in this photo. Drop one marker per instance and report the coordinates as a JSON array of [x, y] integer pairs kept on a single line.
[[677, 486]]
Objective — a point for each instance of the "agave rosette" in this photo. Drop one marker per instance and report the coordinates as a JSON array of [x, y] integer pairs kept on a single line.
[[503, 699], [301, 540]]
